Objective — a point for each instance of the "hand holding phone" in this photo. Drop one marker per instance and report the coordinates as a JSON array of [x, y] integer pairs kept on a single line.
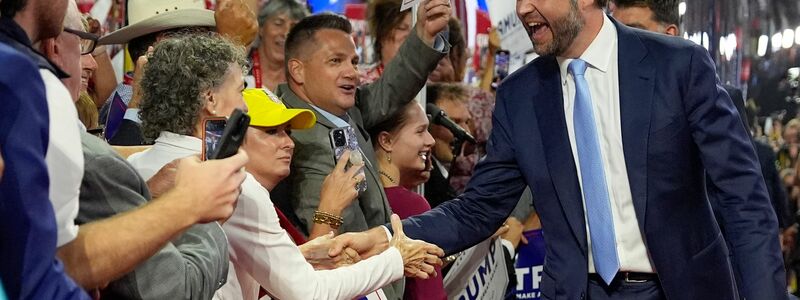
[[339, 188], [222, 138], [342, 139]]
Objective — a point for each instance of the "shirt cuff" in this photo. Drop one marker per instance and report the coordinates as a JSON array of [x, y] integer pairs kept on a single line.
[[509, 246], [388, 233], [133, 115]]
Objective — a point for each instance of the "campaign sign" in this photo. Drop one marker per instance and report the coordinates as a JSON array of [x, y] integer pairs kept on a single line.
[[529, 266], [479, 273]]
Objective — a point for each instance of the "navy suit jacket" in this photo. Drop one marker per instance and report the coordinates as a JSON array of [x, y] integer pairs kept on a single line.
[[677, 121], [28, 267]]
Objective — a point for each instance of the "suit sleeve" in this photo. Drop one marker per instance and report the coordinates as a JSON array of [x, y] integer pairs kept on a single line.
[[192, 266], [491, 194], [403, 79], [28, 266], [730, 161]]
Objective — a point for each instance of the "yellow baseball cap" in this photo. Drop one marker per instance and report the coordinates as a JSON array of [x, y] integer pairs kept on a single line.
[[266, 110]]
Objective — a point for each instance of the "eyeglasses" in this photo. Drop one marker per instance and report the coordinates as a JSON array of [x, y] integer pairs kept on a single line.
[[88, 40]]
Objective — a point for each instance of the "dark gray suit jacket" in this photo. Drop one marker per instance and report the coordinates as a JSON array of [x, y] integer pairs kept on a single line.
[[192, 266], [313, 155]]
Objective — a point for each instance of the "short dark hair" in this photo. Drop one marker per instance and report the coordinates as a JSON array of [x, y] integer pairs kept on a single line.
[[435, 92], [383, 18], [10, 8], [303, 32], [664, 11]]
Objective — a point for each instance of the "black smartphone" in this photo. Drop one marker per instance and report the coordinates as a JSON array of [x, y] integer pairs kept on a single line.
[[501, 62], [212, 132], [233, 135], [344, 138]]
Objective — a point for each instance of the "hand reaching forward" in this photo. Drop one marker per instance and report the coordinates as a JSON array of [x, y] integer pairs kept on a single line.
[[316, 253], [432, 18], [208, 190], [419, 258]]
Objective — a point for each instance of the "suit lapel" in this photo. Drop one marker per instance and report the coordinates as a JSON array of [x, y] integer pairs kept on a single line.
[[291, 100], [636, 86], [549, 107]]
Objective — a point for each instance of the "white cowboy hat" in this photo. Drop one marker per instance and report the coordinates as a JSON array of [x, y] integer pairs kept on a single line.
[[148, 16]]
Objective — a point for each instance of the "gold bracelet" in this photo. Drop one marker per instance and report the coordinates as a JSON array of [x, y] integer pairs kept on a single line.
[[321, 217]]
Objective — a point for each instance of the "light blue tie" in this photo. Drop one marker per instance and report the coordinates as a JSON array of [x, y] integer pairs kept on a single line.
[[595, 190]]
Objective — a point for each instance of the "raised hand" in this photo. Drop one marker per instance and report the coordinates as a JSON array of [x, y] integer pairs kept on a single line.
[[236, 21], [338, 189], [209, 189], [316, 253], [138, 73], [432, 18], [419, 258]]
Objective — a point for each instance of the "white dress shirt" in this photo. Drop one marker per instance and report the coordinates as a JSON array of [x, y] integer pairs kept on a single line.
[[602, 76], [64, 157], [262, 253]]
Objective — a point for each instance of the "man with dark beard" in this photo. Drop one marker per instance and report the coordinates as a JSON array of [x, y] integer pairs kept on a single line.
[[612, 128]]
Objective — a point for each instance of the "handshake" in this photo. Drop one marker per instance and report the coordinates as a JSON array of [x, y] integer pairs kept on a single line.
[[419, 257]]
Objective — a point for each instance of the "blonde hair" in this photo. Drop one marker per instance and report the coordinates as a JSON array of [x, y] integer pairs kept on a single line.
[[87, 111]]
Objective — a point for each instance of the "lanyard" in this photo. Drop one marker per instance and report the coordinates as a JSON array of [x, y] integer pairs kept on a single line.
[[256, 68]]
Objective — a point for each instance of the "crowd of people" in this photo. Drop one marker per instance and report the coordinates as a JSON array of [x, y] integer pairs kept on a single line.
[[654, 190]]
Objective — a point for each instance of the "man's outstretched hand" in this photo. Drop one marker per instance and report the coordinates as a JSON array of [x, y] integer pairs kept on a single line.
[[419, 258]]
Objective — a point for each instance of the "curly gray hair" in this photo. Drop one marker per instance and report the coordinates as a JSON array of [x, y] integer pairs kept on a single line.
[[179, 72]]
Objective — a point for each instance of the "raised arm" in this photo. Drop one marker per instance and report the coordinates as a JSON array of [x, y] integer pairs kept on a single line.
[[407, 72]]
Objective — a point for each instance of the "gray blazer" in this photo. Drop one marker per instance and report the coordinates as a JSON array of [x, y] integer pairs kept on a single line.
[[192, 266], [313, 155]]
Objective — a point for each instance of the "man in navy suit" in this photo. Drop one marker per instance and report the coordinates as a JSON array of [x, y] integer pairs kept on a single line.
[[612, 128], [28, 267]]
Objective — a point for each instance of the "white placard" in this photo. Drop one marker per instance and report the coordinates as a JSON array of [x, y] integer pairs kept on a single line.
[[479, 273], [513, 36], [408, 4]]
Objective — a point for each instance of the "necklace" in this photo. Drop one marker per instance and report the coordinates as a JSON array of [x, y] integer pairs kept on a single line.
[[387, 176]]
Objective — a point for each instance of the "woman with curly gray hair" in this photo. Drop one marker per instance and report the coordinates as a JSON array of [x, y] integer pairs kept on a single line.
[[190, 78]]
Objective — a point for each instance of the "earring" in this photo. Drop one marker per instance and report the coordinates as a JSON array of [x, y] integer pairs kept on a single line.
[[389, 157], [214, 112]]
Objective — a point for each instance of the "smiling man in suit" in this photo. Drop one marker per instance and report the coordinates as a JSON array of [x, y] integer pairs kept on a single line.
[[612, 128]]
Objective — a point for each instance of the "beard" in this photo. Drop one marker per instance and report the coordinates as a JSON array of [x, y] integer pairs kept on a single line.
[[564, 31]]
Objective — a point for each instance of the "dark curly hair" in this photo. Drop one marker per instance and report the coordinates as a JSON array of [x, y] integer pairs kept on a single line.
[[177, 75]]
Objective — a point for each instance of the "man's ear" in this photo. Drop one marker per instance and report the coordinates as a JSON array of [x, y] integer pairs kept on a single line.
[[672, 29], [296, 70], [50, 49], [385, 141]]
